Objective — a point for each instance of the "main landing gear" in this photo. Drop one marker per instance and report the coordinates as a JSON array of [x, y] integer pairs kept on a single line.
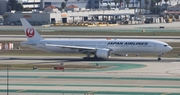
[[89, 58]]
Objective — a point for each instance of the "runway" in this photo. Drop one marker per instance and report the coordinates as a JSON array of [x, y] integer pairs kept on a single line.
[[173, 39], [124, 76]]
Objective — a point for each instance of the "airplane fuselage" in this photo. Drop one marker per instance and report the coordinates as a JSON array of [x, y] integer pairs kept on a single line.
[[118, 46], [100, 48]]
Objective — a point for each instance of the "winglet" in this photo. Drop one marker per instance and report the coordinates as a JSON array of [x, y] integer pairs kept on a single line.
[[31, 33]]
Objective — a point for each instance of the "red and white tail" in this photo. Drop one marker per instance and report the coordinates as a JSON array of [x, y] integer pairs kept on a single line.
[[31, 33]]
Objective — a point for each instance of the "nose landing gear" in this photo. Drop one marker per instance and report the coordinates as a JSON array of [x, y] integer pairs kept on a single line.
[[159, 57]]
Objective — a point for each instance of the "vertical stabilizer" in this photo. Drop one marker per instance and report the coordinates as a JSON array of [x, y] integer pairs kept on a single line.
[[30, 32]]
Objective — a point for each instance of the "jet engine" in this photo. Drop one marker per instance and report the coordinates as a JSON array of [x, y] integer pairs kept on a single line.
[[103, 53]]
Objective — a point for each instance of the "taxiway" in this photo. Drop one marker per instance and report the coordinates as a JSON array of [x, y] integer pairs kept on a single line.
[[126, 75]]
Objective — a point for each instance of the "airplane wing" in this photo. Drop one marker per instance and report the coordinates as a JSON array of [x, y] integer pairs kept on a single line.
[[72, 47]]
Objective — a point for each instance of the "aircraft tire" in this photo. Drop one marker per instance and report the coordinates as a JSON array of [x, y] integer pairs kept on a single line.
[[159, 59]]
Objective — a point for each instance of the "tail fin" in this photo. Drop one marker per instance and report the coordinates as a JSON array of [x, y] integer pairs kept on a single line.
[[31, 33]]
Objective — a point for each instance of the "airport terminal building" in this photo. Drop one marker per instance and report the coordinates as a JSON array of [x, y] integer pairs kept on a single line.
[[87, 4], [51, 15], [78, 11], [90, 4]]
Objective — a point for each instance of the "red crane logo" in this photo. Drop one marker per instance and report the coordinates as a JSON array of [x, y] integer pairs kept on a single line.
[[30, 32]]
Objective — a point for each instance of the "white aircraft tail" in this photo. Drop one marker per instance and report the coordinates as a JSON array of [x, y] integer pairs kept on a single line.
[[31, 33]]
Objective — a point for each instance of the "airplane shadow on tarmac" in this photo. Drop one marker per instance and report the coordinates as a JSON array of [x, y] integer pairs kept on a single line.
[[81, 59]]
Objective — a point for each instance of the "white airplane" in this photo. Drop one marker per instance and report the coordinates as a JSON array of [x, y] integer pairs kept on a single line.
[[100, 48]]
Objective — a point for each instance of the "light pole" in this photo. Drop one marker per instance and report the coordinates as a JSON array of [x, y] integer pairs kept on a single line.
[[7, 68]]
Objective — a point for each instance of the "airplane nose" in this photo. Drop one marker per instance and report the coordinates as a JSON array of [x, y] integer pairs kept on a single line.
[[169, 48]]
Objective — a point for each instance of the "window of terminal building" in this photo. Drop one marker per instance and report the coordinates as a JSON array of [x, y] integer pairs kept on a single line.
[[96, 7], [47, 3], [96, 1], [57, 4]]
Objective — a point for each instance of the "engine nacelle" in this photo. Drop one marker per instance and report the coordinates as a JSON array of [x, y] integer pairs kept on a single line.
[[103, 53]]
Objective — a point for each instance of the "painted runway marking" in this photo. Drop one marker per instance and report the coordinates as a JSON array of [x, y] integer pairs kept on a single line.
[[91, 92], [21, 90], [166, 93], [42, 77]]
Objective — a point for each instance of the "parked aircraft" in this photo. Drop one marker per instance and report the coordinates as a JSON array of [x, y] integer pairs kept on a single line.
[[100, 48]]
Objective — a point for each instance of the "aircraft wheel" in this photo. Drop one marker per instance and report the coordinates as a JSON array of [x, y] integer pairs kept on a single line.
[[85, 58], [159, 59]]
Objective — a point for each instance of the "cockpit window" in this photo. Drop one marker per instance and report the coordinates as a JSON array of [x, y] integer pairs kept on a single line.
[[165, 45]]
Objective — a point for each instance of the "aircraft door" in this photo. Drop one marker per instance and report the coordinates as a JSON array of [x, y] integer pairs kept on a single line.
[[132, 47], [155, 46], [71, 44]]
